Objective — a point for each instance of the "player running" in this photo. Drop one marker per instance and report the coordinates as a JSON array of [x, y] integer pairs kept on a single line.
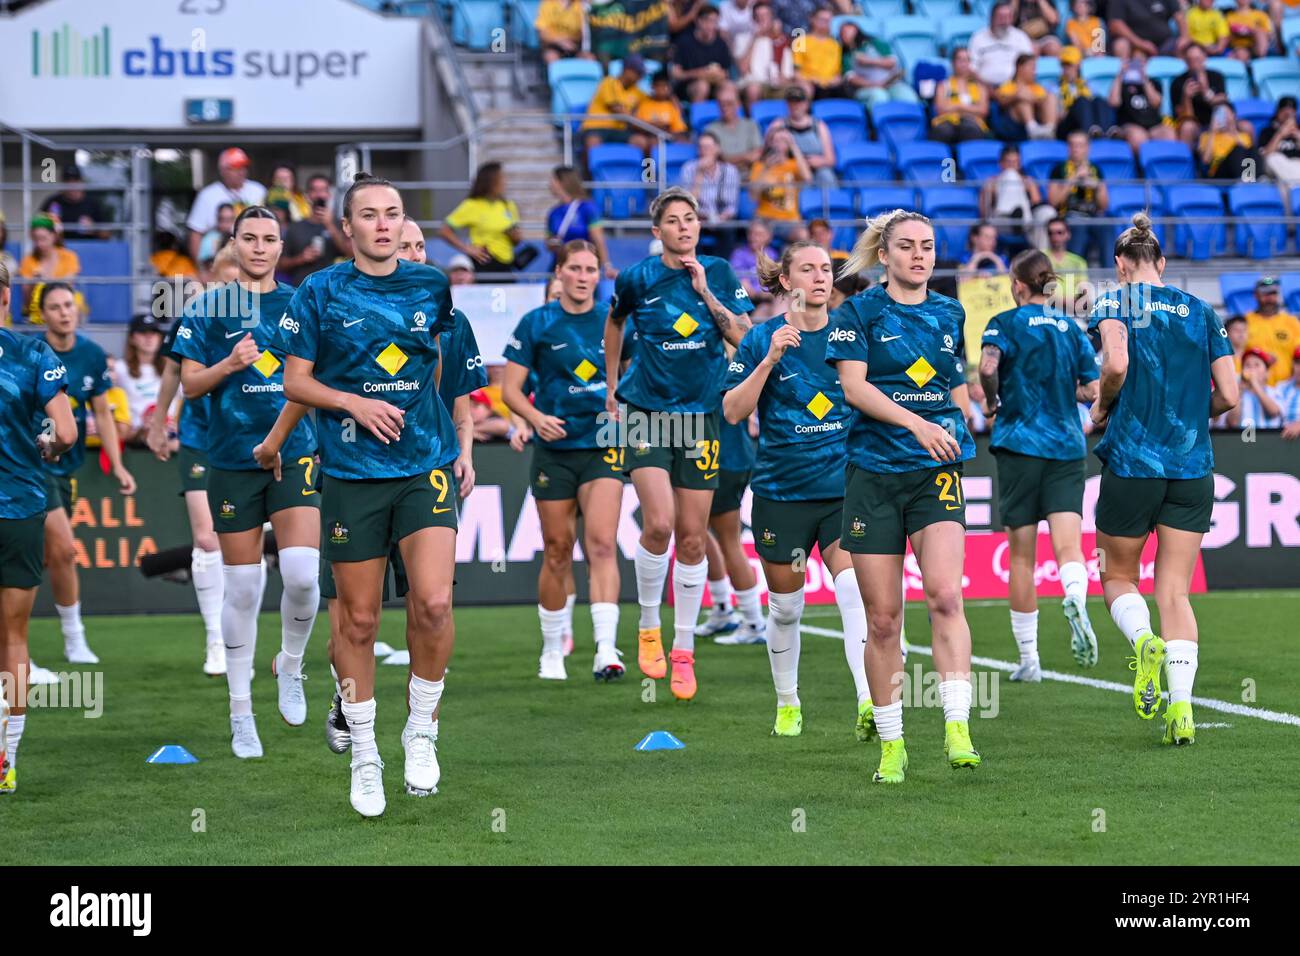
[[684, 308], [562, 344], [226, 345], [87, 382], [896, 348], [1035, 367], [33, 383], [371, 327], [1160, 350], [798, 482]]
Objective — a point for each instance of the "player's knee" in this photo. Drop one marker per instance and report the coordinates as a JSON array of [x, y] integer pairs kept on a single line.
[[558, 554], [60, 554], [431, 611], [944, 601], [690, 548], [884, 627], [358, 626], [656, 532], [599, 550], [300, 570]]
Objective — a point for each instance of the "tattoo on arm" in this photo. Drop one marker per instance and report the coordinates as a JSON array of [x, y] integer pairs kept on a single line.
[[725, 319]]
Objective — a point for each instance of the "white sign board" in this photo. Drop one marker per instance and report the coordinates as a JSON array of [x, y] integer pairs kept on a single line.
[[132, 64], [494, 311]]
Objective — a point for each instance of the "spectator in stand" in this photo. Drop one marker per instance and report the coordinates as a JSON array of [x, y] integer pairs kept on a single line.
[[1079, 108], [818, 59], [736, 22], [1207, 26], [1288, 396], [615, 96], [871, 71], [701, 61], [983, 258], [994, 48], [1136, 99], [660, 110], [1251, 31], [682, 15], [460, 269], [575, 216], [1280, 144], [232, 186], [1225, 150], [1072, 269], [139, 375], [766, 64], [1259, 407], [78, 211], [219, 234], [744, 261], [820, 232], [738, 136], [795, 14], [1145, 23], [1028, 111], [1085, 30], [6, 259], [1038, 20], [716, 184], [775, 180], [318, 241], [168, 260], [1238, 333], [492, 222], [961, 104], [1079, 194], [811, 136], [1013, 195], [559, 26], [1272, 329], [284, 190], [48, 260], [1195, 95]]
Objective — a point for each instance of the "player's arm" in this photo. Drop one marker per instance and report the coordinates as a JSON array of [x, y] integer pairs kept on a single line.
[[107, 428], [512, 393], [732, 326], [156, 438], [872, 402], [961, 398], [267, 452], [613, 358], [198, 379], [990, 357], [462, 415], [381, 419], [739, 402], [1114, 366], [60, 432]]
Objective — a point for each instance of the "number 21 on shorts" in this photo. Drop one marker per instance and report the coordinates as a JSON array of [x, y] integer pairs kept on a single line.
[[949, 483]]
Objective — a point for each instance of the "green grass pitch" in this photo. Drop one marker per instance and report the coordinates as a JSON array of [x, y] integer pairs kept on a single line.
[[545, 773]]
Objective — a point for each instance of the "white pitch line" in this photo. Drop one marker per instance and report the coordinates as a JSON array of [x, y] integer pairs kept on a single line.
[[1224, 706]]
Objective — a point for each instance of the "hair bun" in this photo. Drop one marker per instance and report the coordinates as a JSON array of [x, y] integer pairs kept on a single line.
[[1141, 222]]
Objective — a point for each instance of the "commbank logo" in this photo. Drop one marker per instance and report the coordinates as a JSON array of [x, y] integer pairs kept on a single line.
[[920, 372], [819, 406], [65, 52]]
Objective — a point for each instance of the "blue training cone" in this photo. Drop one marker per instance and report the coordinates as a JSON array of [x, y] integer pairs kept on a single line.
[[172, 753], [660, 740]]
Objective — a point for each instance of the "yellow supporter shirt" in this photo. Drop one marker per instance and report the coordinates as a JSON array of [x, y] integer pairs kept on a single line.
[[1278, 335], [488, 221], [819, 59], [662, 113], [610, 92], [558, 17], [1206, 27], [1085, 34], [780, 199], [1242, 26]]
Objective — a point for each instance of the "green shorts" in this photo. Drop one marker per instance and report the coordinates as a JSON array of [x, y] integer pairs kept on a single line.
[[1031, 488], [242, 500], [360, 520], [398, 581], [1132, 507], [785, 531], [557, 473], [882, 510], [193, 465], [22, 551], [60, 492], [731, 489], [689, 466]]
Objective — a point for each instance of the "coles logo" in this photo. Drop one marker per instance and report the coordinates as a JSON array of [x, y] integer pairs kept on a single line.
[[286, 323], [843, 335]]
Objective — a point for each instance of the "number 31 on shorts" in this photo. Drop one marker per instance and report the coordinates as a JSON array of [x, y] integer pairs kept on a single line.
[[949, 483]]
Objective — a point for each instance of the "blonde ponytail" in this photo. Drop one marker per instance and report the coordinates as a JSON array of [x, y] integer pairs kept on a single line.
[[866, 251], [770, 271]]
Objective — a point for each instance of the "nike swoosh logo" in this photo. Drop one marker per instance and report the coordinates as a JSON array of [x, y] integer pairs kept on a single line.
[[781, 651], [348, 325], [952, 507], [652, 301], [302, 620], [440, 511], [889, 338], [709, 475], [231, 335], [562, 345], [791, 375], [306, 492]]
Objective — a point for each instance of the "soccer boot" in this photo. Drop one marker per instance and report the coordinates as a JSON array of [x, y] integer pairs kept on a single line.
[[1149, 656], [789, 721], [422, 771], [1179, 727], [683, 683], [721, 620], [864, 728], [367, 792], [1028, 672], [957, 748], [244, 742], [650, 653], [1083, 641], [338, 735], [608, 665], [893, 762]]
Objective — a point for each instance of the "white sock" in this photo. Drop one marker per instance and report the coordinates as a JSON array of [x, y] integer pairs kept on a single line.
[[361, 721], [15, 736], [604, 623], [552, 630], [209, 587], [955, 696], [688, 595], [300, 571], [1132, 616], [720, 593], [243, 597], [783, 613], [70, 622], [853, 618], [1074, 578], [751, 608], [1180, 665], [569, 602], [1024, 628], [889, 720], [651, 572], [423, 696]]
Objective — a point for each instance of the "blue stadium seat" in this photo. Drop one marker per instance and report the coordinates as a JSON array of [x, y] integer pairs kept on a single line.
[[1254, 204], [1276, 76], [864, 162], [560, 70], [1290, 33], [107, 303], [956, 31], [938, 10], [678, 154], [978, 159], [746, 206], [1048, 72], [1257, 112], [703, 113], [473, 22], [925, 161], [911, 37], [1114, 158], [573, 82], [1162, 70], [1238, 291], [618, 162], [832, 204], [944, 204], [523, 15], [1126, 200], [1197, 240], [872, 202], [1236, 80], [1099, 72], [898, 123], [1291, 291], [1166, 160], [1039, 156], [765, 112], [625, 251], [846, 119]]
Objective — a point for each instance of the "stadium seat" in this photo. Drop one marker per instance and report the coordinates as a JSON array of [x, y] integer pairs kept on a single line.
[[746, 206], [678, 154], [573, 83], [865, 162], [846, 119], [938, 10], [1114, 158], [1238, 291], [944, 204], [925, 161], [560, 70], [832, 204], [1197, 240], [703, 113], [1039, 156], [1254, 205], [956, 31], [523, 14], [1291, 291], [926, 74], [473, 22], [1257, 112], [764, 112], [107, 302], [872, 202], [1048, 72], [911, 37], [898, 123], [1126, 200], [626, 250], [620, 163], [1290, 33], [1099, 72], [1166, 160], [1236, 80], [1276, 76], [1162, 70], [978, 159]]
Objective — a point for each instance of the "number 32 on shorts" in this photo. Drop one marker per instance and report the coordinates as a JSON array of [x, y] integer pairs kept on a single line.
[[708, 460], [439, 481], [949, 483]]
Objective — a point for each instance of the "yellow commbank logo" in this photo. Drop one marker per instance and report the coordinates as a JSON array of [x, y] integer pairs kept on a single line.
[[267, 364], [920, 372], [685, 325], [585, 370], [391, 359], [819, 406]]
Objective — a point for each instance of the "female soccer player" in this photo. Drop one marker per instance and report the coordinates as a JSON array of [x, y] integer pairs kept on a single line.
[[33, 382], [561, 343], [781, 369], [1036, 365], [1160, 349], [355, 331], [683, 308], [88, 381], [897, 349], [225, 344]]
